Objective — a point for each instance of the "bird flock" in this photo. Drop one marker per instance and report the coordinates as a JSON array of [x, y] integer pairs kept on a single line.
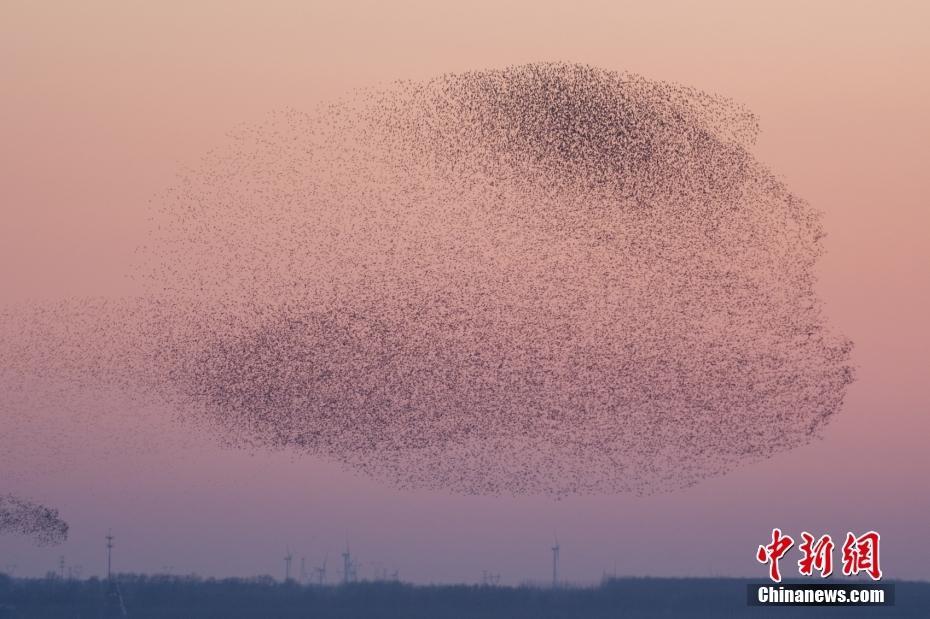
[[22, 517], [548, 279]]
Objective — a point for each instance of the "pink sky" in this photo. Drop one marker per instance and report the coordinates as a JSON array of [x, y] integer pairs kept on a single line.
[[104, 102]]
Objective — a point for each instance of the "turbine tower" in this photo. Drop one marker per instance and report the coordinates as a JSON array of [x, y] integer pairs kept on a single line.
[[555, 564], [287, 565], [321, 571], [346, 565]]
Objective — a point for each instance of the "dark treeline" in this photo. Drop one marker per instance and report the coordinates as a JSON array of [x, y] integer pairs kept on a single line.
[[183, 597]]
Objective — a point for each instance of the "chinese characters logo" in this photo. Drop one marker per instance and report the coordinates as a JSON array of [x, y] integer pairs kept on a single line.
[[860, 554]]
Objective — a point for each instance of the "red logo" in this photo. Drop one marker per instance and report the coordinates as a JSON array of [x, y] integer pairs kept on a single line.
[[817, 556], [860, 554], [773, 552]]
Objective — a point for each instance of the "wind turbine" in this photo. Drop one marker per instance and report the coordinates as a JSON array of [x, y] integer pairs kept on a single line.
[[321, 571], [287, 565], [346, 565]]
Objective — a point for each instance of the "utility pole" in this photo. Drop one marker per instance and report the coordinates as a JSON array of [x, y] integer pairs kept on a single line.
[[61, 567], [113, 606], [109, 555], [555, 564]]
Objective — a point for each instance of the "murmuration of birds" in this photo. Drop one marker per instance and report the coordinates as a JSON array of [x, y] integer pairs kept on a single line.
[[21, 517], [548, 279]]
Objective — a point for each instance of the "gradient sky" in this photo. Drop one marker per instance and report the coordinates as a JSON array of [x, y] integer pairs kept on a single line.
[[103, 103]]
